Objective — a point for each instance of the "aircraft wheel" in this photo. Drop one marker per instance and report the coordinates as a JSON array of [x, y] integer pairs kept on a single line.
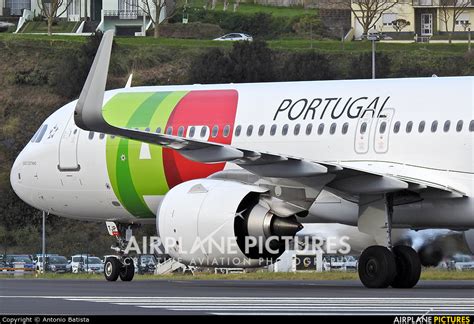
[[377, 267], [408, 267], [128, 270], [112, 268]]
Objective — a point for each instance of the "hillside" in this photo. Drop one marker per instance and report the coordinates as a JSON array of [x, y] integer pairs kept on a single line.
[[39, 74]]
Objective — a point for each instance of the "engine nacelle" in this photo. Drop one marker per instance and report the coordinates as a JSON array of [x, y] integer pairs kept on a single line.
[[222, 223], [469, 239]]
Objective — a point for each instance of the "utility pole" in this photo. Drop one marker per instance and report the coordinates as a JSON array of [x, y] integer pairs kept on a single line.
[[373, 58], [43, 251], [469, 40], [373, 36]]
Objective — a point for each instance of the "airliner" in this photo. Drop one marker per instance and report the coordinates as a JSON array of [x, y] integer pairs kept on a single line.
[[234, 161]]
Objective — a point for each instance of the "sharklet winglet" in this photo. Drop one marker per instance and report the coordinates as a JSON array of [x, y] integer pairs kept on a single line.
[[88, 111]]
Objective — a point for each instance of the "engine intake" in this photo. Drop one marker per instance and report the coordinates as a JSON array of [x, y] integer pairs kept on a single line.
[[222, 223]]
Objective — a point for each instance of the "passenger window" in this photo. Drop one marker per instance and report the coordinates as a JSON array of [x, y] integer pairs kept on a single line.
[[181, 131], [332, 130], [471, 126], [101, 136], [409, 127], [434, 126], [296, 131], [447, 125], [249, 130], [396, 127], [345, 128], [309, 129], [203, 131], [459, 126], [261, 130], [284, 130], [158, 130], [321, 129], [273, 130], [383, 127], [41, 134], [215, 130], [192, 131], [169, 131], [91, 135], [363, 128], [421, 127], [226, 131], [238, 130]]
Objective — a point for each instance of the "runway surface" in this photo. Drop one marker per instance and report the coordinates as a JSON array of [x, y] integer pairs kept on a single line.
[[194, 297]]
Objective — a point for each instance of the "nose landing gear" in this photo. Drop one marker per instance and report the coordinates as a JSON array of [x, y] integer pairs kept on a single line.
[[380, 266], [119, 265]]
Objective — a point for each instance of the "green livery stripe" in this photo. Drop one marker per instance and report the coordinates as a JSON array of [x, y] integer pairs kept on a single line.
[[148, 174], [133, 178], [117, 112]]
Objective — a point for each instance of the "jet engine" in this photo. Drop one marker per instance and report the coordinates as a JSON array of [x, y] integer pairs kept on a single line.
[[223, 223], [469, 240]]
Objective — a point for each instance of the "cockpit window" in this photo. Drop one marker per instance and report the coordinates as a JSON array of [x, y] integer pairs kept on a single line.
[[41, 133], [34, 136]]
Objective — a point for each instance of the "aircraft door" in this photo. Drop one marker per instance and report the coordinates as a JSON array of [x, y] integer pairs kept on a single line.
[[362, 135], [382, 131], [68, 148]]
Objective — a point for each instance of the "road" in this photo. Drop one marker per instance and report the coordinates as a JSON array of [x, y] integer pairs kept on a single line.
[[195, 297]]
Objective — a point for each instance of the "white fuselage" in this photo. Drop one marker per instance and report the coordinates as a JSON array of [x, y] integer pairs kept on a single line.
[[354, 124]]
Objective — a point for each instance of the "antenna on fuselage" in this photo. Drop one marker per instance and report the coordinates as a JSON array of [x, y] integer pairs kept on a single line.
[[129, 81]]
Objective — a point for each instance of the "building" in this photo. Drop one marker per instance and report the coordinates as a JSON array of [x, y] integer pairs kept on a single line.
[[124, 16], [426, 18]]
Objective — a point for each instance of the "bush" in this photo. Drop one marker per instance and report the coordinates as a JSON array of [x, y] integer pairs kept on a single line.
[[306, 66], [33, 77], [246, 62], [259, 25], [192, 30]]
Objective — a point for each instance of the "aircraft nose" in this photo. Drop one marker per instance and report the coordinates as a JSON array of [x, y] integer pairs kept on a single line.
[[15, 174]]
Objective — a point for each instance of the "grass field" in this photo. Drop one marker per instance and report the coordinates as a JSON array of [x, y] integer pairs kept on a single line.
[[285, 44], [250, 8], [42, 27], [427, 274]]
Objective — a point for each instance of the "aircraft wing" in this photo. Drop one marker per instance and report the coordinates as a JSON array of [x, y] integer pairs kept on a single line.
[[271, 165]]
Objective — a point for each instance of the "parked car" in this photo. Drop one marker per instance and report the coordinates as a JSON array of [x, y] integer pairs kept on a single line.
[[235, 37], [93, 265], [57, 263], [463, 262], [11, 259], [86, 263], [38, 260]]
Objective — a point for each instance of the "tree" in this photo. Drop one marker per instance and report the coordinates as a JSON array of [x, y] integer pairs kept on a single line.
[[452, 9], [400, 24], [369, 12], [50, 9], [154, 10]]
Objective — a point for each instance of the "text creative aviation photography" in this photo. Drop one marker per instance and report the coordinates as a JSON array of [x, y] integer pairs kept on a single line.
[[312, 197]]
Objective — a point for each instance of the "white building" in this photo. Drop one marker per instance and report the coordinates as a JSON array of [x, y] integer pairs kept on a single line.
[[425, 16], [124, 16]]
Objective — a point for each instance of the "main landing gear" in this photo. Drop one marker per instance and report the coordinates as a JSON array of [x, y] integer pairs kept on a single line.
[[119, 265], [380, 266]]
